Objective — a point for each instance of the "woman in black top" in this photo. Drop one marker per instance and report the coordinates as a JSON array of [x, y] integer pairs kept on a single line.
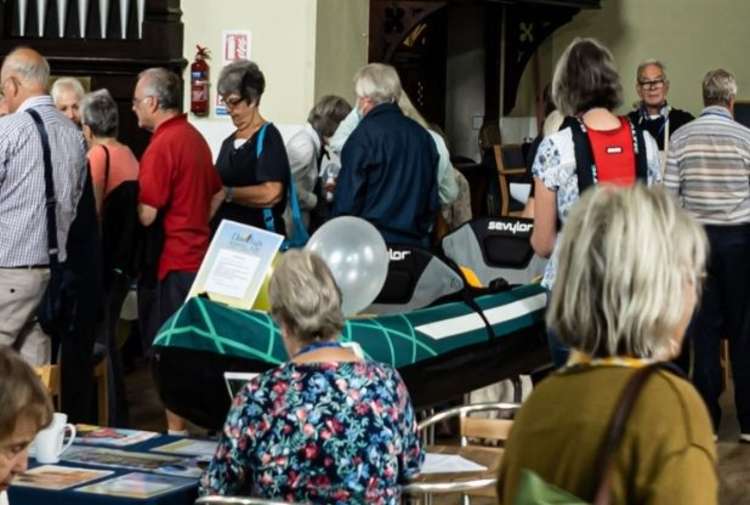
[[252, 163]]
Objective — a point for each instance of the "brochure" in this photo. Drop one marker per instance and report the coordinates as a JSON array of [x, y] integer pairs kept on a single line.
[[189, 447], [120, 459], [236, 264], [137, 485], [118, 437], [56, 477]]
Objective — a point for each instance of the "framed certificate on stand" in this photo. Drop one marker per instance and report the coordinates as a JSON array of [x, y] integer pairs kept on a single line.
[[236, 264]]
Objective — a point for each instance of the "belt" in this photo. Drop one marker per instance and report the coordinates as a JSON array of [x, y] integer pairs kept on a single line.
[[27, 267]]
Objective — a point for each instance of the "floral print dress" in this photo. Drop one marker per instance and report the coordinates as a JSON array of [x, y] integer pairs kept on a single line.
[[334, 433]]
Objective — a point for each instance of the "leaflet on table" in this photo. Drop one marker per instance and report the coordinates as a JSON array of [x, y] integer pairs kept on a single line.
[[449, 463], [236, 264], [56, 477], [145, 461], [189, 447], [89, 434], [137, 485]]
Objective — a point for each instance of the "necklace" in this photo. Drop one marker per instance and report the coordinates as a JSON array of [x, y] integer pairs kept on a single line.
[[315, 346]]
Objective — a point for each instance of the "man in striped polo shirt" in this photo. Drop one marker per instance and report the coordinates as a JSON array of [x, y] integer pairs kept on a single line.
[[708, 170]]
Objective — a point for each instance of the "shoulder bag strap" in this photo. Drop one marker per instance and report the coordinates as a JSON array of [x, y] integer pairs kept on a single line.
[[608, 449], [106, 170], [49, 191], [267, 214]]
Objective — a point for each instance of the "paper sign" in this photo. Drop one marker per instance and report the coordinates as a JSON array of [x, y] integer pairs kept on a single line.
[[236, 264], [232, 273], [449, 463], [235, 45]]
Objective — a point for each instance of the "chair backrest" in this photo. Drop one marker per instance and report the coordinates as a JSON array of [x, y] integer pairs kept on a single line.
[[510, 162], [472, 427], [238, 500], [50, 377]]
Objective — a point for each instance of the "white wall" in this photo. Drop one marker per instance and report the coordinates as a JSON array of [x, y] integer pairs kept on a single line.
[[283, 45]]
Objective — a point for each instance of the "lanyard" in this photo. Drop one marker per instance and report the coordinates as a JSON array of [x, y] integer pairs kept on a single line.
[[578, 359], [317, 345]]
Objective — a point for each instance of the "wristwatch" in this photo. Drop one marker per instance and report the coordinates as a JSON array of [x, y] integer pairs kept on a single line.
[[228, 194]]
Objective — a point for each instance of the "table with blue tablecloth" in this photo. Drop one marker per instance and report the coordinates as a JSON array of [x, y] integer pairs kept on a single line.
[[31, 496]]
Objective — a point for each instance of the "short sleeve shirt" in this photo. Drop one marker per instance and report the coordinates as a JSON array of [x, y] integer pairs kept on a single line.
[[555, 165], [177, 177], [123, 166], [241, 166]]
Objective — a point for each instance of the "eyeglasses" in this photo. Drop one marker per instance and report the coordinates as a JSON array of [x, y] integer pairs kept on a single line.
[[232, 101], [656, 83], [137, 100]]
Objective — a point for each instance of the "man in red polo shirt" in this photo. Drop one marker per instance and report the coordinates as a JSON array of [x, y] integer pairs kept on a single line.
[[179, 182]]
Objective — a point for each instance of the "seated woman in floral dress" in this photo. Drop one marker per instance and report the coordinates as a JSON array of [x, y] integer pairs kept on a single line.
[[325, 427]]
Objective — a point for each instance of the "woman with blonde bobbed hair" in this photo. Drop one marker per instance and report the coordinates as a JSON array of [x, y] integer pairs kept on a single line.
[[326, 426], [629, 276]]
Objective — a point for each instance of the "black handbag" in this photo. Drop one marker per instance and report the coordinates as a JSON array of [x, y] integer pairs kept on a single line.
[[57, 309]]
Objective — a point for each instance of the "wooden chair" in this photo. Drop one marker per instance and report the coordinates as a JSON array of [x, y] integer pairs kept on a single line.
[[50, 377], [472, 431], [510, 163]]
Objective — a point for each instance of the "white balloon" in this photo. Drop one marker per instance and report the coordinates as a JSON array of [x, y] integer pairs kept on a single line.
[[355, 252]]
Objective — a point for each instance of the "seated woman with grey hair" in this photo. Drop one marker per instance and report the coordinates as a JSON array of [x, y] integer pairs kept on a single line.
[[306, 148], [586, 88], [67, 93], [252, 162], [629, 275], [26, 409], [326, 426]]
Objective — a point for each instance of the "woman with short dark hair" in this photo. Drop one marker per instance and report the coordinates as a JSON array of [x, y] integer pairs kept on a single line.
[[25, 408], [586, 89], [252, 162], [326, 426]]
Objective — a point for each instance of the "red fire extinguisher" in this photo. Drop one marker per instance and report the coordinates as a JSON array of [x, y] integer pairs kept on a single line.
[[199, 83]]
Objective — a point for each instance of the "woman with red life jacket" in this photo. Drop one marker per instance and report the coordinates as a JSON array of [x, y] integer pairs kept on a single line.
[[594, 146]]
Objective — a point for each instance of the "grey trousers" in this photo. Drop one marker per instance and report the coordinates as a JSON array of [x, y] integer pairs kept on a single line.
[[21, 290]]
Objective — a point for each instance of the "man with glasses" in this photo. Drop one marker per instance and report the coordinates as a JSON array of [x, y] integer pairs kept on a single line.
[[653, 112], [179, 184], [24, 251]]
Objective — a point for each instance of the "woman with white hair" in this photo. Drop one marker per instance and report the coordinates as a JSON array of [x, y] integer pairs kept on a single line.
[[629, 275], [324, 427], [67, 93], [594, 146]]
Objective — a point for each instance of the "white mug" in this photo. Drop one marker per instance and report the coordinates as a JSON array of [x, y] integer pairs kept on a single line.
[[50, 443]]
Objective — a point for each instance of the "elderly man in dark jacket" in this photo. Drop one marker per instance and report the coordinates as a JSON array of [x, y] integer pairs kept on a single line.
[[389, 164]]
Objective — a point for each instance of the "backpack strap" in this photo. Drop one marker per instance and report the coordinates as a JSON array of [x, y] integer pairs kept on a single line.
[[584, 156]]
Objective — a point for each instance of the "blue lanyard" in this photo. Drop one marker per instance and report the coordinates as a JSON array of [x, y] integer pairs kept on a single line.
[[719, 114], [317, 345]]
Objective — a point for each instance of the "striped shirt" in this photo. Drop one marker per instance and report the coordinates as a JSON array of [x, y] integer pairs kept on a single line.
[[23, 218], [708, 168]]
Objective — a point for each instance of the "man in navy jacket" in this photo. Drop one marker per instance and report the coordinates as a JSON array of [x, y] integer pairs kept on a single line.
[[388, 165]]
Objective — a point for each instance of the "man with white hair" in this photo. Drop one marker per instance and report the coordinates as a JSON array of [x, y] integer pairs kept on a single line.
[[24, 250], [388, 165], [67, 93], [654, 113], [708, 170]]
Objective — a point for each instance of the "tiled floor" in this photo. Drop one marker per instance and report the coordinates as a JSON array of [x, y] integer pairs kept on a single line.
[[734, 458]]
